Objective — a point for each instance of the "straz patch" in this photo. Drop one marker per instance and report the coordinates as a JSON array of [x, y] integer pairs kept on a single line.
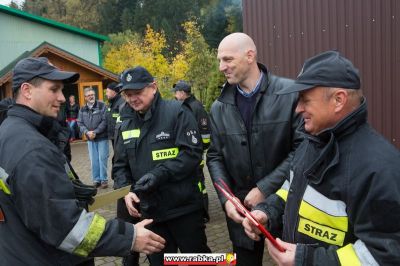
[[163, 136], [191, 134], [165, 154], [320, 232], [203, 122]]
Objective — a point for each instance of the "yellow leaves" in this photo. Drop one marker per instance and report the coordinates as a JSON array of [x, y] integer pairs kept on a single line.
[[195, 63]]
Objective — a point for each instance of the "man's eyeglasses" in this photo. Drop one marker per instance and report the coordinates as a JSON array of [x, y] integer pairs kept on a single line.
[[89, 95]]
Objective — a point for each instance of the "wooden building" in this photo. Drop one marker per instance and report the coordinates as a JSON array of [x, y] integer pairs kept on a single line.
[[69, 48]]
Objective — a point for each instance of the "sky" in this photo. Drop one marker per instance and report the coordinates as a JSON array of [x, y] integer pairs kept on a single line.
[[7, 2]]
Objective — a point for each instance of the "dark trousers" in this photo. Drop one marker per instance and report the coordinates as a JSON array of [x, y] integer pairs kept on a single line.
[[186, 233], [123, 214], [245, 257]]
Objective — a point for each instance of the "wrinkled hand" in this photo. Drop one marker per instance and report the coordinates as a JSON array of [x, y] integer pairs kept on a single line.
[[251, 230], [232, 212], [146, 241], [91, 135], [254, 197], [131, 200], [282, 258], [148, 182]]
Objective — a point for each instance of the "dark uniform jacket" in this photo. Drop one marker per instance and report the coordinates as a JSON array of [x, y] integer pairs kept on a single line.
[[166, 143], [342, 197], [93, 119], [43, 224], [201, 116], [112, 114], [258, 160]]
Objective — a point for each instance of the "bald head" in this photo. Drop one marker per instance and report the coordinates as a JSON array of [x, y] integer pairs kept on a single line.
[[238, 41], [237, 57]]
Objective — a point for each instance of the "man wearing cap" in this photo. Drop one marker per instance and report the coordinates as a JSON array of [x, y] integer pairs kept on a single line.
[[92, 122], [41, 222], [158, 151], [116, 102], [183, 92], [340, 205], [252, 135]]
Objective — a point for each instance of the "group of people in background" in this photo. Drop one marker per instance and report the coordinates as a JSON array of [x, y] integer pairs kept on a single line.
[[299, 154]]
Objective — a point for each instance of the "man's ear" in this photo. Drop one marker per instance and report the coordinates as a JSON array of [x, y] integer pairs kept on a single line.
[[26, 91], [340, 98], [251, 55]]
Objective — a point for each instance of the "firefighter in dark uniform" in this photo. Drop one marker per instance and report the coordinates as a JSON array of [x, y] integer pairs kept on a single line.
[[41, 222], [113, 117], [183, 92], [116, 102], [159, 151], [340, 203]]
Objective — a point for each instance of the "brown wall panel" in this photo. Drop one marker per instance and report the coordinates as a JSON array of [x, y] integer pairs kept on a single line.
[[287, 32]]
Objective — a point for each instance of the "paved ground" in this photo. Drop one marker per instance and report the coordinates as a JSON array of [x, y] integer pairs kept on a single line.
[[217, 234]]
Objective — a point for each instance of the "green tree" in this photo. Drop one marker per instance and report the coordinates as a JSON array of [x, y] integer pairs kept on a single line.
[[168, 16], [13, 4], [215, 24], [234, 15]]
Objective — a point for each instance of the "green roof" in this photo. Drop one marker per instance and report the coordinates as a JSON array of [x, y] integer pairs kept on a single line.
[[52, 23]]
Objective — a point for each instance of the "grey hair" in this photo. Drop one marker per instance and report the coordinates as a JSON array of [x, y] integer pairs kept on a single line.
[[87, 90]]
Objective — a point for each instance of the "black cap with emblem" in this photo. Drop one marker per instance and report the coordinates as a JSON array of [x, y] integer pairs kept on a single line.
[[135, 78]]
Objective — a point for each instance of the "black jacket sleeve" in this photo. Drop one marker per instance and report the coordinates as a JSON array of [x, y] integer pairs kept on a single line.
[[45, 201]]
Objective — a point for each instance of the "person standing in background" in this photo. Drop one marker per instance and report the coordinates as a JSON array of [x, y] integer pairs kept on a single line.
[[92, 123], [72, 110], [183, 92], [115, 105]]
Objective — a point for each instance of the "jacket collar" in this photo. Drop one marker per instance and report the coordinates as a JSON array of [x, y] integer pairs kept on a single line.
[[324, 148], [47, 126], [228, 93], [93, 107]]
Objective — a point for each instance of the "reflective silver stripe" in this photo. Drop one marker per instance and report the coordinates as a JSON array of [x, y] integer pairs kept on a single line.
[[3, 175], [321, 202], [363, 254], [291, 176], [205, 136], [78, 232], [69, 171], [286, 186]]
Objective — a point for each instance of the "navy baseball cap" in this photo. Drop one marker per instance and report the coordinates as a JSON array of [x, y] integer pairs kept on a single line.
[[328, 69], [135, 78], [32, 67], [114, 86], [181, 86]]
